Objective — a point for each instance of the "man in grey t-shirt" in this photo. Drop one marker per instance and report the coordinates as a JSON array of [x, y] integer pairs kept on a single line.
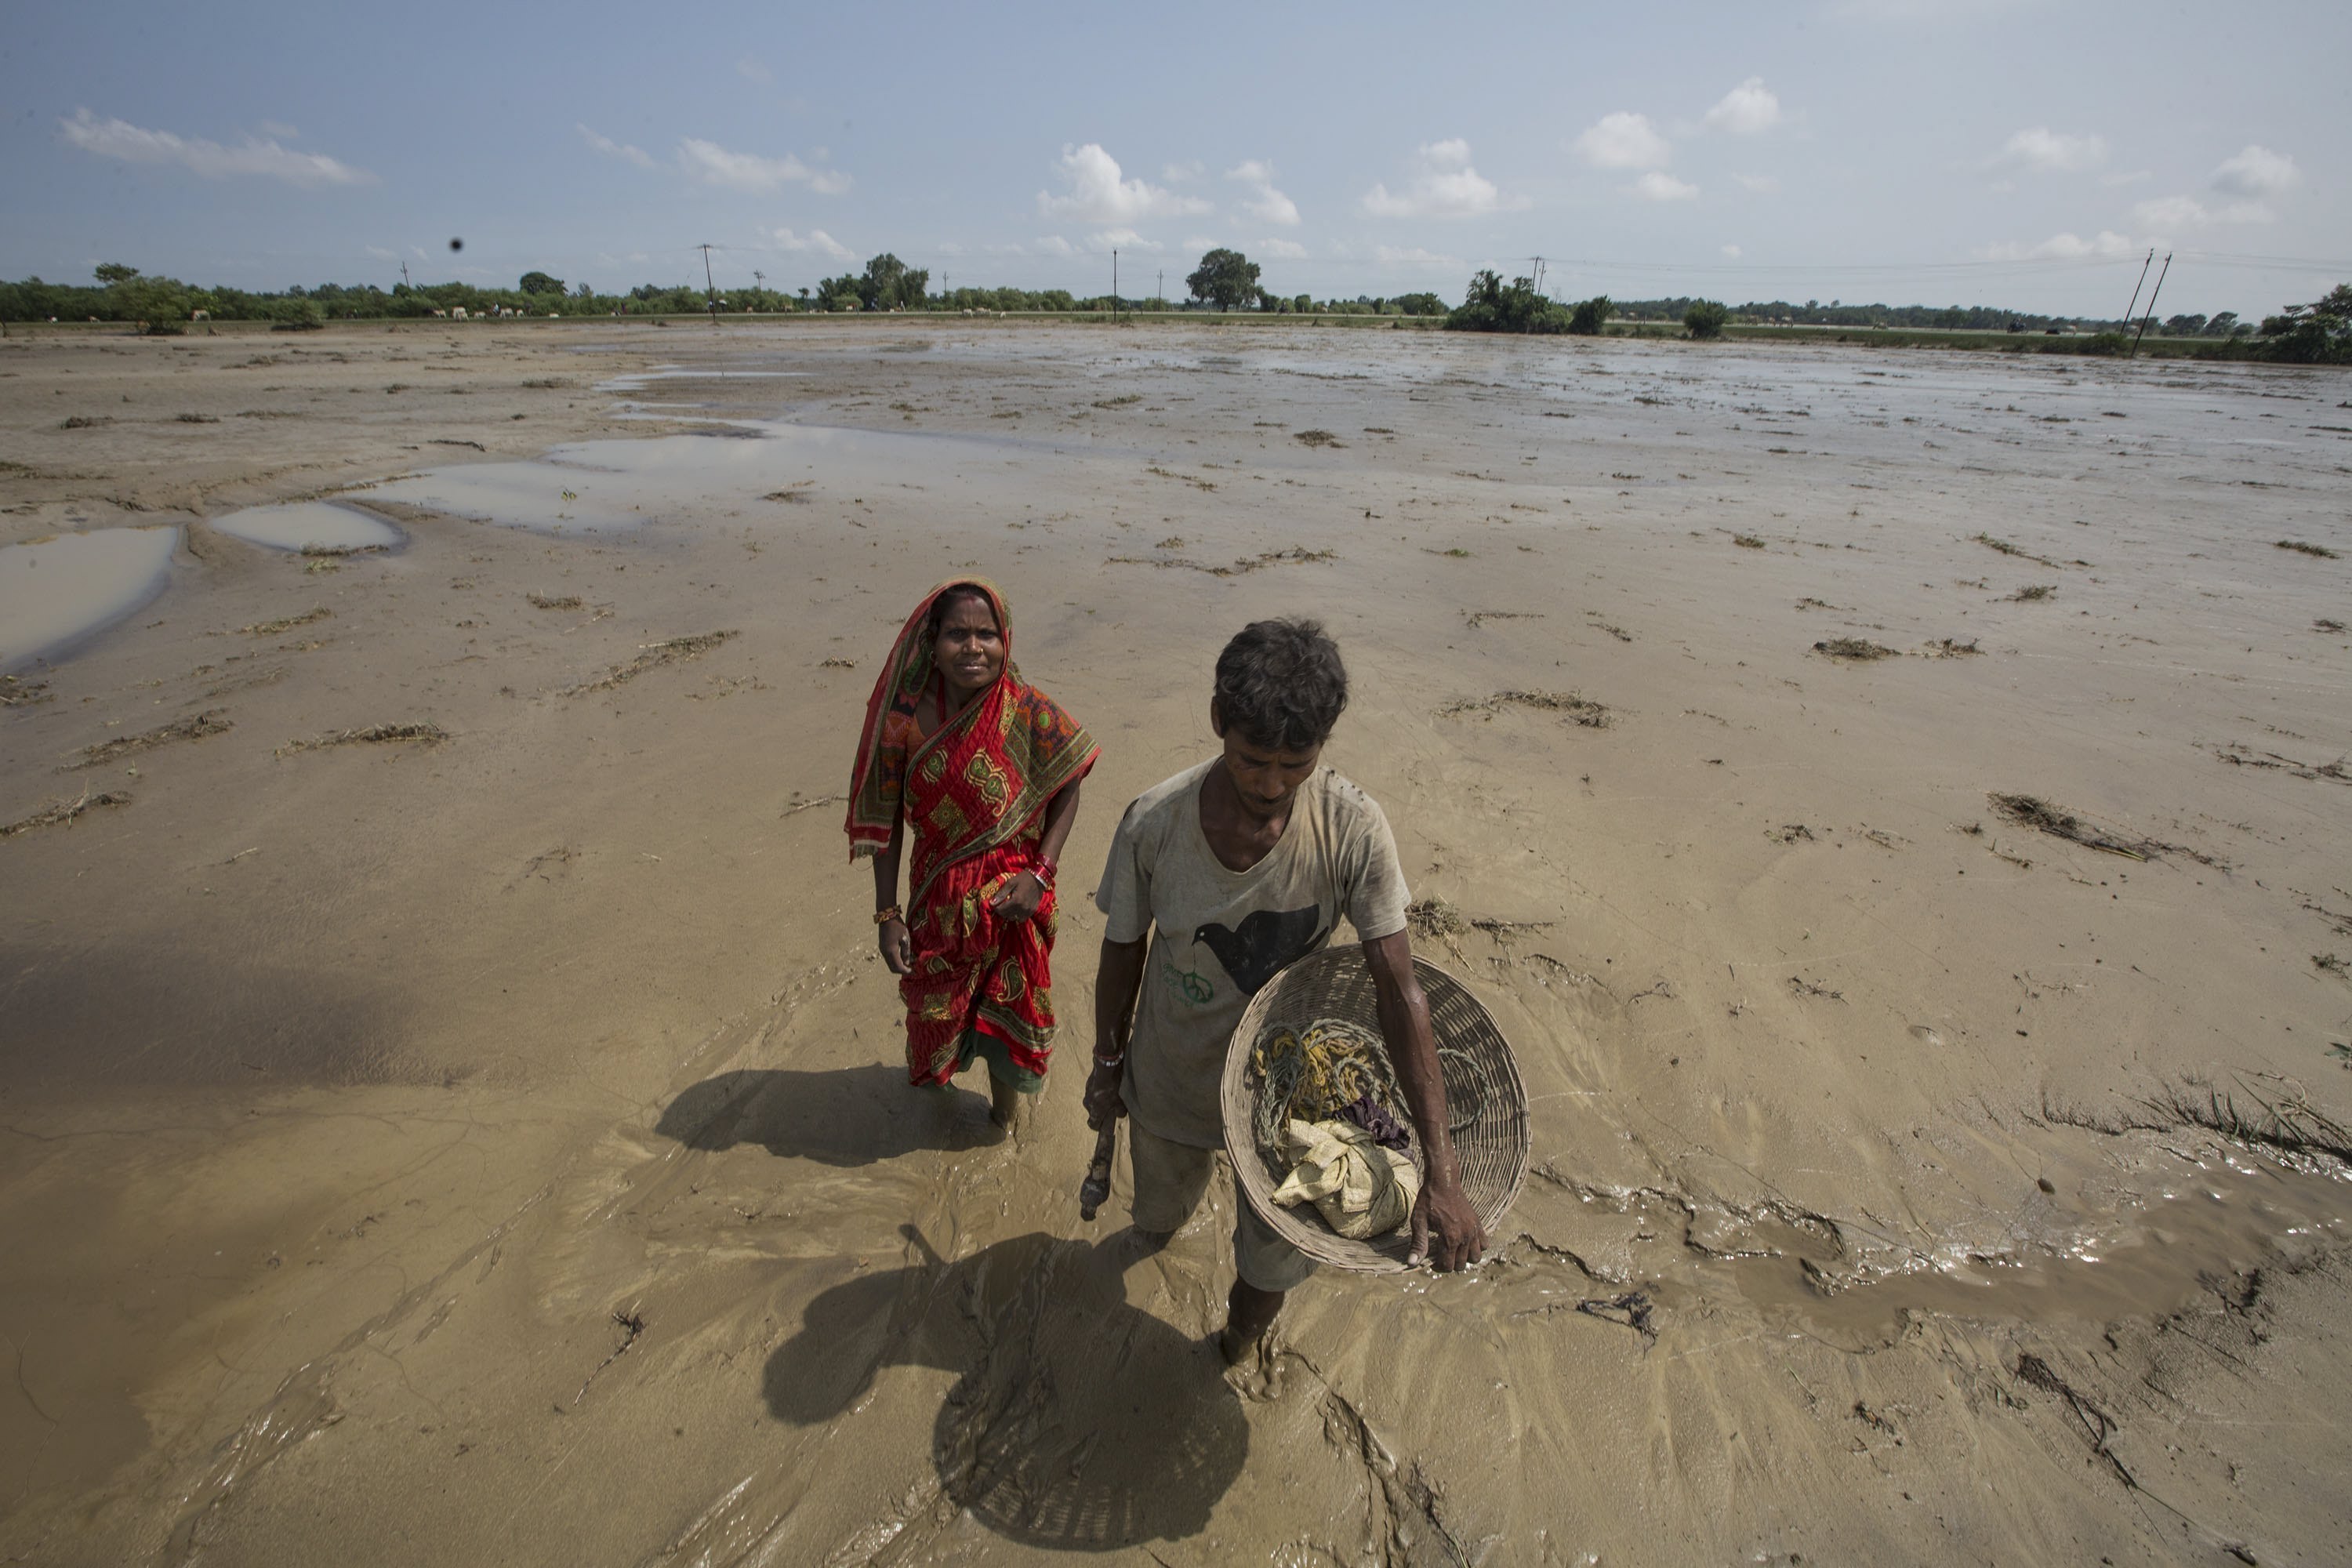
[[1234, 869]]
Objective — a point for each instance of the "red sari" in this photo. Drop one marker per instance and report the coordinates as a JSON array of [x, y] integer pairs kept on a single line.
[[972, 798]]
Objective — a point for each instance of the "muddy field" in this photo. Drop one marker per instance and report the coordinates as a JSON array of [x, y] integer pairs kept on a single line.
[[450, 1107]]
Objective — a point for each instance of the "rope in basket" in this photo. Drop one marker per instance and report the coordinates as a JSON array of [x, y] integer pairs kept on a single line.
[[1309, 1075]]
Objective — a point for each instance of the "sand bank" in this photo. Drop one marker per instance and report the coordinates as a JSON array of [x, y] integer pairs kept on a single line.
[[486, 1144]]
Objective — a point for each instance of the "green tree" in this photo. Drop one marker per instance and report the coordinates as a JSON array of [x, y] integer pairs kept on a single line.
[[1494, 306], [540, 283], [1589, 318], [1225, 279], [890, 284], [1705, 319], [2316, 333], [115, 272]]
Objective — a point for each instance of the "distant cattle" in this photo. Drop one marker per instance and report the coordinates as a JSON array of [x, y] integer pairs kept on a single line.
[[200, 315], [457, 312]]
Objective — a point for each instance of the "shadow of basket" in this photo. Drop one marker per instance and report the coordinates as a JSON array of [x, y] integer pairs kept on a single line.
[[1486, 1103]]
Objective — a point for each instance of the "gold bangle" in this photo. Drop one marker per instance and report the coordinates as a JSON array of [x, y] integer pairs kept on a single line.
[[884, 917]]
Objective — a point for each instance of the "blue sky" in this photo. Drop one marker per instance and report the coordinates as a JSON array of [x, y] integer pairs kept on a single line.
[[2021, 152]]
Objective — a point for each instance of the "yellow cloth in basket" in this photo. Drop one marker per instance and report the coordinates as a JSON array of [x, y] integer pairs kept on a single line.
[[1360, 1189]]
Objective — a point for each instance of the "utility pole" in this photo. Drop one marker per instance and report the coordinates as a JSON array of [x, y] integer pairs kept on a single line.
[[2152, 293], [404, 275], [2144, 265], [711, 288], [1163, 285], [1114, 281]]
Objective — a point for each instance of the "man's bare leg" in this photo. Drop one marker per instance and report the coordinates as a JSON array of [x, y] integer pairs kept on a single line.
[[1249, 1313]]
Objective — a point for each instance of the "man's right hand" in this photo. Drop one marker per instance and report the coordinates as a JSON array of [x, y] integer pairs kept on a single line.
[[897, 947], [1104, 1105]]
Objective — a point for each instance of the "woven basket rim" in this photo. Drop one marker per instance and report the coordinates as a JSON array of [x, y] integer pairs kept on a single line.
[[1492, 1195]]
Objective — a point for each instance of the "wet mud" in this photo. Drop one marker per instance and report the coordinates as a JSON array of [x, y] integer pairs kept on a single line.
[[453, 1109]]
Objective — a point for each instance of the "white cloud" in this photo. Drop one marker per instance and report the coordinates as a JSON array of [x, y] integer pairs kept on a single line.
[[815, 239], [2173, 212], [612, 149], [1413, 256], [1747, 109], [1201, 242], [381, 254], [2136, 177], [1443, 185], [1284, 250], [2051, 152], [1107, 240], [1177, 173], [2187, 212], [1097, 194], [266, 156], [1054, 245], [1731, 252], [2257, 173], [1759, 185], [1657, 186], [751, 69], [279, 129], [1270, 206], [1623, 140], [2106, 244], [708, 163]]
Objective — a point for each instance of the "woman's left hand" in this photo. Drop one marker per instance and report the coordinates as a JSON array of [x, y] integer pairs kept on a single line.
[[1018, 899]]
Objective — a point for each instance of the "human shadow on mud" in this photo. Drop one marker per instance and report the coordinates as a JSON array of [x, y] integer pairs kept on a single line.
[[1079, 1423], [853, 1116]]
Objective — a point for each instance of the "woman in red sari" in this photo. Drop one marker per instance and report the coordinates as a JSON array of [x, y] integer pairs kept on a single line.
[[984, 768]]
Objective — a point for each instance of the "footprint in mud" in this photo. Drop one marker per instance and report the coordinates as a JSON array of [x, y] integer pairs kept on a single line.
[[1079, 1422]]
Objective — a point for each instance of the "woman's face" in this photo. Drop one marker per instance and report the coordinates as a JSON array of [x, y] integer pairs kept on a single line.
[[969, 648]]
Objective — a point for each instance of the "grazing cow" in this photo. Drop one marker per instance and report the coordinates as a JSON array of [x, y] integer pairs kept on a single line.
[[457, 312], [200, 315]]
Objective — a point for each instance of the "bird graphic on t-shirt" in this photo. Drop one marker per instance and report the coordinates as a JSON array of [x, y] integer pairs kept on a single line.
[[1267, 943]]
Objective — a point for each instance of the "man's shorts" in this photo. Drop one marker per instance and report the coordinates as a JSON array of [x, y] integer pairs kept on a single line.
[[1169, 1181]]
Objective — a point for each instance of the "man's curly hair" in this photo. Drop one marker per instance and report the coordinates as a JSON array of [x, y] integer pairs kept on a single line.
[[1281, 685]]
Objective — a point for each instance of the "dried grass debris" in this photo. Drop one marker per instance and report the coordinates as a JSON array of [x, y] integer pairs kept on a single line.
[[1578, 709], [1859, 649], [2029, 811], [63, 811], [212, 721], [286, 624], [424, 730], [653, 656]]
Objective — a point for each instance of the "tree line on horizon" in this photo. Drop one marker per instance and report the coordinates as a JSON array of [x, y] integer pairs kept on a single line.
[[2317, 332]]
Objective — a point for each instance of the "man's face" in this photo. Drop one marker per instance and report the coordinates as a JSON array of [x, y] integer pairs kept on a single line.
[[1265, 777]]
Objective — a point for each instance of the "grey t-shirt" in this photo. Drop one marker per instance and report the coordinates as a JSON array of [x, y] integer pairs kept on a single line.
[[1218, 934]]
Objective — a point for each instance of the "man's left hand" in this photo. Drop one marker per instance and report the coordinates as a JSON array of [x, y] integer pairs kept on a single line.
[[1444, 1215]]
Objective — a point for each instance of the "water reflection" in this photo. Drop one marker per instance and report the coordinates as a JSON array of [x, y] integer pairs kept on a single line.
[[57, 592]]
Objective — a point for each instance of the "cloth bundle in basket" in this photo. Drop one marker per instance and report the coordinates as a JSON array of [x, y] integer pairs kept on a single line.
[[1313, 1085]]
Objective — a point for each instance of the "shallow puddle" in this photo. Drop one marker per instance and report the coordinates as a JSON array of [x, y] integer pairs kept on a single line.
[[609, 487], [310, 526], [59, 591]]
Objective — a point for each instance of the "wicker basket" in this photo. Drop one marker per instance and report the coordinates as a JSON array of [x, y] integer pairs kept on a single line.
[[1486, 1102]]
